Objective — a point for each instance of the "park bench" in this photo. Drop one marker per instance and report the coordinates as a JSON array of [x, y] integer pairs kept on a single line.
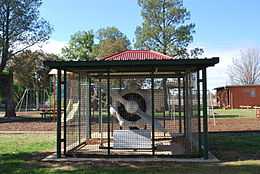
[[48, 114], [244, 107]]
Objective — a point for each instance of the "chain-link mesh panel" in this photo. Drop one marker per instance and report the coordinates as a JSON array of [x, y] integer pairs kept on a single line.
[[72, 110], [195, 115], [115, 115]]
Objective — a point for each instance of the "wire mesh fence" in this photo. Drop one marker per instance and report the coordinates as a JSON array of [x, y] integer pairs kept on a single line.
[[133, 115]]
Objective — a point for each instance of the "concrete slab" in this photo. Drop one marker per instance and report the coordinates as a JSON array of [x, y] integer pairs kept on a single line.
[[52, 158]]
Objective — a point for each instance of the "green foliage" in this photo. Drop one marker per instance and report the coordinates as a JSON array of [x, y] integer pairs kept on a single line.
[[111, 41], [18, 91], [80, 46], [20, 27], [165, 27], [1, 95], [111, 33], [29, 71]]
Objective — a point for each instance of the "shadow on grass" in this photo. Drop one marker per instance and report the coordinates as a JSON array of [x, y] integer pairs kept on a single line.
[[235, 146], [23, 119], [24, 163], [227, 116]]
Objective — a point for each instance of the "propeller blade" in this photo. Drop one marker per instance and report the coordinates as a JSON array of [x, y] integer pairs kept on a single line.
[[115, 113], [148, 119], [121, 99]]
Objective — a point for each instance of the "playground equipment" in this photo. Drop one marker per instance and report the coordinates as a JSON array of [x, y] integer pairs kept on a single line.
[[32, 100], [211, 107]]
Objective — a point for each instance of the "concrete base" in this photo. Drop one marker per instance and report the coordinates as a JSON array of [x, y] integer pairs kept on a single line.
[[52, 158]]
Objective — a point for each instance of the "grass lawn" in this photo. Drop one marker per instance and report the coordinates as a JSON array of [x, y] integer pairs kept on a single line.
[[21, 154], [219, 113], [235, 113], [233, 147]]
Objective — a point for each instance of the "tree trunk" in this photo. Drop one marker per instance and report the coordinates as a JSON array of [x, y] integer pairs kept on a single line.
[[6, 84]]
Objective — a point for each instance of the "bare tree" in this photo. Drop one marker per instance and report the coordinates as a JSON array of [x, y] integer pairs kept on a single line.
[[245, 69]]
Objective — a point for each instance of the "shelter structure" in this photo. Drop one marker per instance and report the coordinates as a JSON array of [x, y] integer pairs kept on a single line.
[[238, 96], [134, 103]]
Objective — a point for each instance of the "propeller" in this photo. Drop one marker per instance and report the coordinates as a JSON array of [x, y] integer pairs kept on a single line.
[[132, 107]]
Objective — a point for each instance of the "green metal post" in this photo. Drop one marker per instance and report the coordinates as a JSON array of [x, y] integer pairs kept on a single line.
[[184, 105], [79, 93], [99, 105], [152, 98], [59, 114], [198, 102], [164, 122], [65, 110], [120, 84], [89, 111], [179, 103], [205, 114], [108, 113]]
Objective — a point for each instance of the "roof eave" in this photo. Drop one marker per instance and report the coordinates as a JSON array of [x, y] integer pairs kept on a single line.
[[130, 64]]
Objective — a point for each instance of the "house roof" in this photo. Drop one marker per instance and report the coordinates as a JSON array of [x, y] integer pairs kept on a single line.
[[237, 86], [138, 55]]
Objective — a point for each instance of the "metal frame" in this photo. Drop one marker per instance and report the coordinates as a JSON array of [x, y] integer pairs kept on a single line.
[[153, 67], [179, 104], [79, 119], [89, 111], [199, 110], [65, 111], [205, 112], [134, 65], [59, 114], [108, 113], [153, 135]]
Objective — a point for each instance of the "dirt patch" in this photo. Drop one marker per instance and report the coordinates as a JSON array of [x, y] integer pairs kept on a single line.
[[37, 124], [25, 123], [28, 126], [240, 124]]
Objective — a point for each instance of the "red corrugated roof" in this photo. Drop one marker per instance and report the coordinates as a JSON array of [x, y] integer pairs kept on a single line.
[[138, 55]]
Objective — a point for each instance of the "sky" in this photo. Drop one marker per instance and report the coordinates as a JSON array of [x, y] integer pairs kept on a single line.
[[224, 28]]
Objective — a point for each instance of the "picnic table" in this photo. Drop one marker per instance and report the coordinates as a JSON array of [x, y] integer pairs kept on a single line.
[[48, 114]]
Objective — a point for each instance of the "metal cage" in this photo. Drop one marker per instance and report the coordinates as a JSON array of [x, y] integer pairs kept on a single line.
[[111, 109]]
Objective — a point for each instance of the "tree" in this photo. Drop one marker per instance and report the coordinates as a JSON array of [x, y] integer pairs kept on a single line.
[[111, 41], [245, 70], [80, 46], [20, 28], [165, 29], [29, 71]]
